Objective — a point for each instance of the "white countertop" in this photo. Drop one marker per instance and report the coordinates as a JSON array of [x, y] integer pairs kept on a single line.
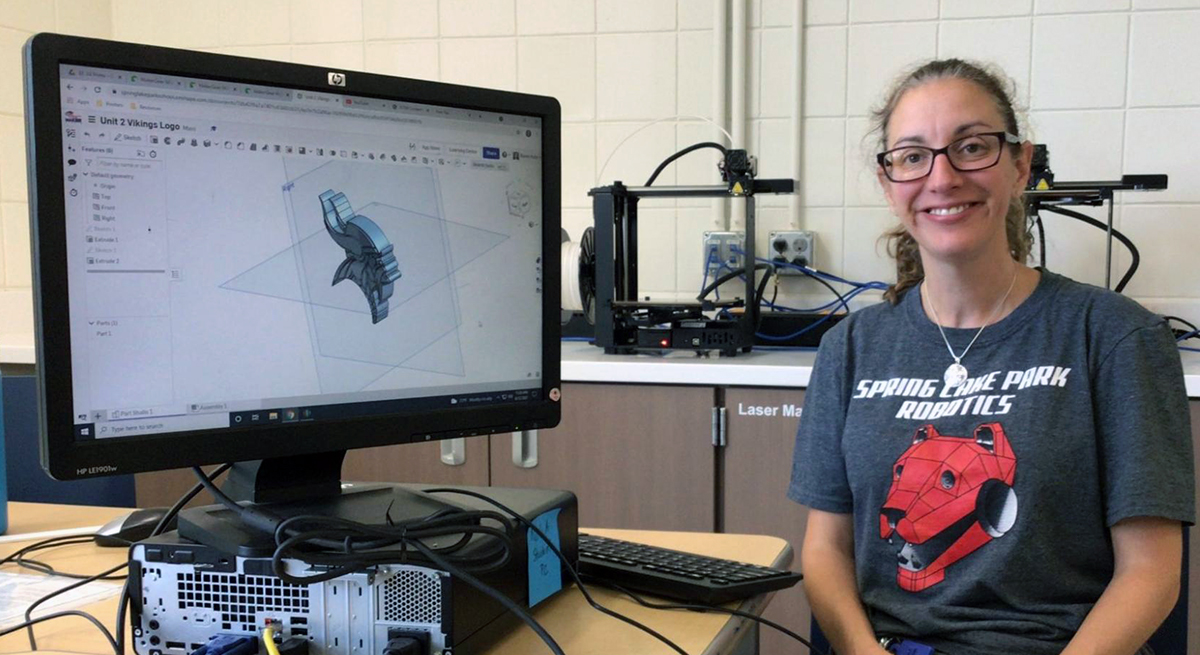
[[582, 362]]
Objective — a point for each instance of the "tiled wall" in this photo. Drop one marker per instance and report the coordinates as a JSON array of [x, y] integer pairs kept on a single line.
[[1110, 85]]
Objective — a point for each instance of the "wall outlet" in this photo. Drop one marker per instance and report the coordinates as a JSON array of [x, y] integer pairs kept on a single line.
[[793, 247], [719, 255]]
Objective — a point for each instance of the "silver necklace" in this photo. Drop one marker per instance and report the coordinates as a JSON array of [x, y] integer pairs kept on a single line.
[[956, 373]]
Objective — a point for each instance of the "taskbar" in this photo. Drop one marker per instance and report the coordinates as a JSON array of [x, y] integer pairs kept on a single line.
[[302, 414]]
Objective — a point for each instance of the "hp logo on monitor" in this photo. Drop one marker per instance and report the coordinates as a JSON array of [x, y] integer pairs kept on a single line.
[[337, 79]]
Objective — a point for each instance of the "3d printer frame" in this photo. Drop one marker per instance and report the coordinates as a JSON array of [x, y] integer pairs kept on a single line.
[[626, 324]]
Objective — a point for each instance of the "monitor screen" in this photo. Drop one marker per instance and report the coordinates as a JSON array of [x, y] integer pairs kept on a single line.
[[234, 257]]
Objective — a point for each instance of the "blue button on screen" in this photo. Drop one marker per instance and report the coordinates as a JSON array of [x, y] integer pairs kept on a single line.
[[491, 153]]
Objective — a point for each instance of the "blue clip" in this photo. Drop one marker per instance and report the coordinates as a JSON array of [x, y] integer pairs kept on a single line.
[[909, 647]]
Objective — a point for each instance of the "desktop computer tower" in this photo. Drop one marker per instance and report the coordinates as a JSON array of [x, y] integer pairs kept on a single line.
[[186, 593]]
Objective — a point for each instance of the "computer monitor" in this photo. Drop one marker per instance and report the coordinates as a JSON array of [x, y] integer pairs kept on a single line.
[[237, 259]]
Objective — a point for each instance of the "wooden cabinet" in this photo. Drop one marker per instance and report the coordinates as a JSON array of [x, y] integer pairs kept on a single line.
[[759, 437], [636, 456]]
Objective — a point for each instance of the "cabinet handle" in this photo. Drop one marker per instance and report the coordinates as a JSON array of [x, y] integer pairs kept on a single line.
[[524, 449], [454, 451]]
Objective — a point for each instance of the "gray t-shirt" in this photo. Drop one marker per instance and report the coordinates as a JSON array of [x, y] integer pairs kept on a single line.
[[981, 512]]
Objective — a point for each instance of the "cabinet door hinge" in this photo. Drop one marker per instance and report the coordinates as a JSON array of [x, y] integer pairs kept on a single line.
[[718, 427]]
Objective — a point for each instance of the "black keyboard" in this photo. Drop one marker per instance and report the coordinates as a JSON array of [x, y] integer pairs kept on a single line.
[[674, 574]]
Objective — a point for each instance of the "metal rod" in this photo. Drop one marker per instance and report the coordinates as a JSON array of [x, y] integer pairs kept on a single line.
[[1108, 248]]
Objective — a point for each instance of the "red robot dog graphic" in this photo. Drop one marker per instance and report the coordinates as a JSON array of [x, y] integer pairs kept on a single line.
[[949, 496]]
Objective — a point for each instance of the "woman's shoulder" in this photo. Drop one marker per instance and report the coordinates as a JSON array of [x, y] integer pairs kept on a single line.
[[1102, 310]]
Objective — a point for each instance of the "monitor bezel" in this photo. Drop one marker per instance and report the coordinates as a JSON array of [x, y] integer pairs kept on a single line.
[[65, 457]]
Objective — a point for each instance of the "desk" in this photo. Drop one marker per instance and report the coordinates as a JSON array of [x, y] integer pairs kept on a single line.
[[579, 629]]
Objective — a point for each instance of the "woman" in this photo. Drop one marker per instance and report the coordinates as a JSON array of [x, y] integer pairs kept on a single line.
[[997, 459]]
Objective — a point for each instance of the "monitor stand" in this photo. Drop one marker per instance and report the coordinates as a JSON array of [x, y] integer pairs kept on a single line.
[[299, 485]]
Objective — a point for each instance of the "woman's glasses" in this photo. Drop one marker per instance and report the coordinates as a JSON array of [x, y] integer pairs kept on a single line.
[[970, 153]]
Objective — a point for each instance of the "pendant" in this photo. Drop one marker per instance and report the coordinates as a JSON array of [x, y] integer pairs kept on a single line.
[[955, 374]]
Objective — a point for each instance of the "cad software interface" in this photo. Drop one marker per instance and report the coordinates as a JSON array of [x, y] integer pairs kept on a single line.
[[242, 254]]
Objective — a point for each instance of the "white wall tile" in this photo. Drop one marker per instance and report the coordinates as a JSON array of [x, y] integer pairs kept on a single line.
[[774, 150], [826, 12], [178, 24], [1163, 54], [1004, 42], [637, 75], [556, 16], [1084, 145], [1079, 61], [13, 186], [775, 78], [417, 59], [824, 163], [477, 17], [778, 13], [697, 14], [1165, 4], [635, 15], [316, 21], [873, 11], [335, 55], [695, 79], [254, 23], [1165, 237], [865, 257], [879, 53], [563, 67], [388, 19], [1076, 249], [828, 223], [656, 249], [1071, 6], [576, 220], [18, 271], [825, 71], [579, 164], [490, 63], [637, 158], [862, 187], [84, 17], [985, 8], [11, 74], [16, 311], [754, 71], [28, 15], [1164, 141]]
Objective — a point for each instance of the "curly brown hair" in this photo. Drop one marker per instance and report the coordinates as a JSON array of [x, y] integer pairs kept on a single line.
[[900, 244]]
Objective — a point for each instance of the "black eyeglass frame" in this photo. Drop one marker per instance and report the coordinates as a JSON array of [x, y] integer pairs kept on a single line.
[[1004, 136]]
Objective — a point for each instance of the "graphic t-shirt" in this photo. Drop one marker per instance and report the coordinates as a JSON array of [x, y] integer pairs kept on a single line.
[[982, 511]]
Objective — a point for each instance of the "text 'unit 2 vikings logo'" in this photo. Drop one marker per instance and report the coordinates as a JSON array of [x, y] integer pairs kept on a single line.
[[369, 260], [949, 496]]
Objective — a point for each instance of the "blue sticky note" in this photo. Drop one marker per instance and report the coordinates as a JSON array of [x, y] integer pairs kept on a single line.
[[545, 570]]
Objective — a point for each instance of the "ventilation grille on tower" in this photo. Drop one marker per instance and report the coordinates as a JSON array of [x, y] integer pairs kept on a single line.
[[239, 598], [413, 596]]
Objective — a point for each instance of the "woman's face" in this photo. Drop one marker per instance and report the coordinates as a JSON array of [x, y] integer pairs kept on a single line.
[[953, 215]]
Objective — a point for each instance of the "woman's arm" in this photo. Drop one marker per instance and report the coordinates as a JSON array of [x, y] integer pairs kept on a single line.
[[1145, 585], [827, 558]]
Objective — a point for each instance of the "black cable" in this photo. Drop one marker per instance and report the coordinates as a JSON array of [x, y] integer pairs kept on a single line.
[[727, 277], [29, 623], [710, 608], [20, 560], [1133, 251], [1186, 322], [1041, 238], [691, 148], [29, 610], [571, 569], [818, 278]]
